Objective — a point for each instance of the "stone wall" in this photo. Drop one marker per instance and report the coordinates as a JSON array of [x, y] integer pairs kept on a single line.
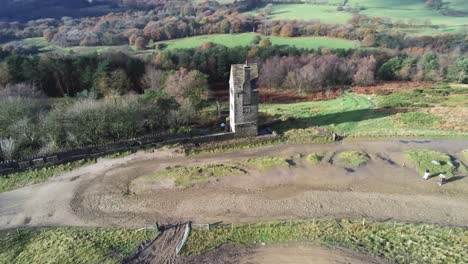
[[133, 145]]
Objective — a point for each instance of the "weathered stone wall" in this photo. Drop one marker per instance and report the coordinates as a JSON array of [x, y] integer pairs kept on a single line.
[[243, 93], [133, 145]]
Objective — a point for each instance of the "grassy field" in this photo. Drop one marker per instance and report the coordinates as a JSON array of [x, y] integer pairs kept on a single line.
[[69, 245], [245, 39], [406, 114], [326, 14], [397, 10], [229, 40], [410, 9], [21, 179], [397, 243], [44, 46]]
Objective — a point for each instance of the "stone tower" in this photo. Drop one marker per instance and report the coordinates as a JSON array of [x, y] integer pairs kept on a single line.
[[243, 99]]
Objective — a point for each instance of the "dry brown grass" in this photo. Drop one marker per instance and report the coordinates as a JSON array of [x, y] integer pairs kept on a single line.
[[450, 118], [390, 87], [271, 96]]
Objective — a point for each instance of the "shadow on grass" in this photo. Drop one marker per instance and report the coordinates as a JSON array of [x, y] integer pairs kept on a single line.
[[353, 116], [456, 178]]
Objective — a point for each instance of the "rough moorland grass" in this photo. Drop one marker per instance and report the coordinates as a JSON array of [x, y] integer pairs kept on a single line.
[[356, 116], [397, 243], [309, 135], [246, 39], [443, 96], [422, 159], [21, 179], [266, 163], [352, 159], [314, 158], [192, 176], [416, 119], [69, 245]]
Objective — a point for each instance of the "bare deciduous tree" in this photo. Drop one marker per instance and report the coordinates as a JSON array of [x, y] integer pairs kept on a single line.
[[152, 79], [8, 147], [187, 87]]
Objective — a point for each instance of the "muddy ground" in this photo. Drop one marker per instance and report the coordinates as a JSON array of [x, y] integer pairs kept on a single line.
[[385, 189], [303, 253]]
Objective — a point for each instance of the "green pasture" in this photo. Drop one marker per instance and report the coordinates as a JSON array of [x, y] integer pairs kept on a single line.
[[44, 46], [246, 39], [413, 11], [367, 116], [326, 14]]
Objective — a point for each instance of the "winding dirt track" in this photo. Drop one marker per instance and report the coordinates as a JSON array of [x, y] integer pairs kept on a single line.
[[385, 189]]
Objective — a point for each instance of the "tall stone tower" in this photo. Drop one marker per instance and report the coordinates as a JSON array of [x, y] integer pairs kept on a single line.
[[243, 99]]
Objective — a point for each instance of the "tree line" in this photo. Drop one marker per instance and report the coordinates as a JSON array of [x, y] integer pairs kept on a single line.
[[117, 73]]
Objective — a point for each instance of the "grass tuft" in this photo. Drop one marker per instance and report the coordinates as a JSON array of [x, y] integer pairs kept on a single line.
[[193, 176], [423, 158], [314, 158], [267, 163], [352, 159]]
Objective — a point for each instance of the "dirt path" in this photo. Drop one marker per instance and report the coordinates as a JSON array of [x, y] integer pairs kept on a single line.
[[99, 194], [280, 254], [162, 250], [305, 255]]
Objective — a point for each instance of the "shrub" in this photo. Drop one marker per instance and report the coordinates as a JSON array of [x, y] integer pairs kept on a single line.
[[88, 122]]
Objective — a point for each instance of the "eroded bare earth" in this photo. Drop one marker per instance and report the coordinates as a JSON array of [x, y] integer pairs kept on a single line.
[[385, 189], [280, 254]]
